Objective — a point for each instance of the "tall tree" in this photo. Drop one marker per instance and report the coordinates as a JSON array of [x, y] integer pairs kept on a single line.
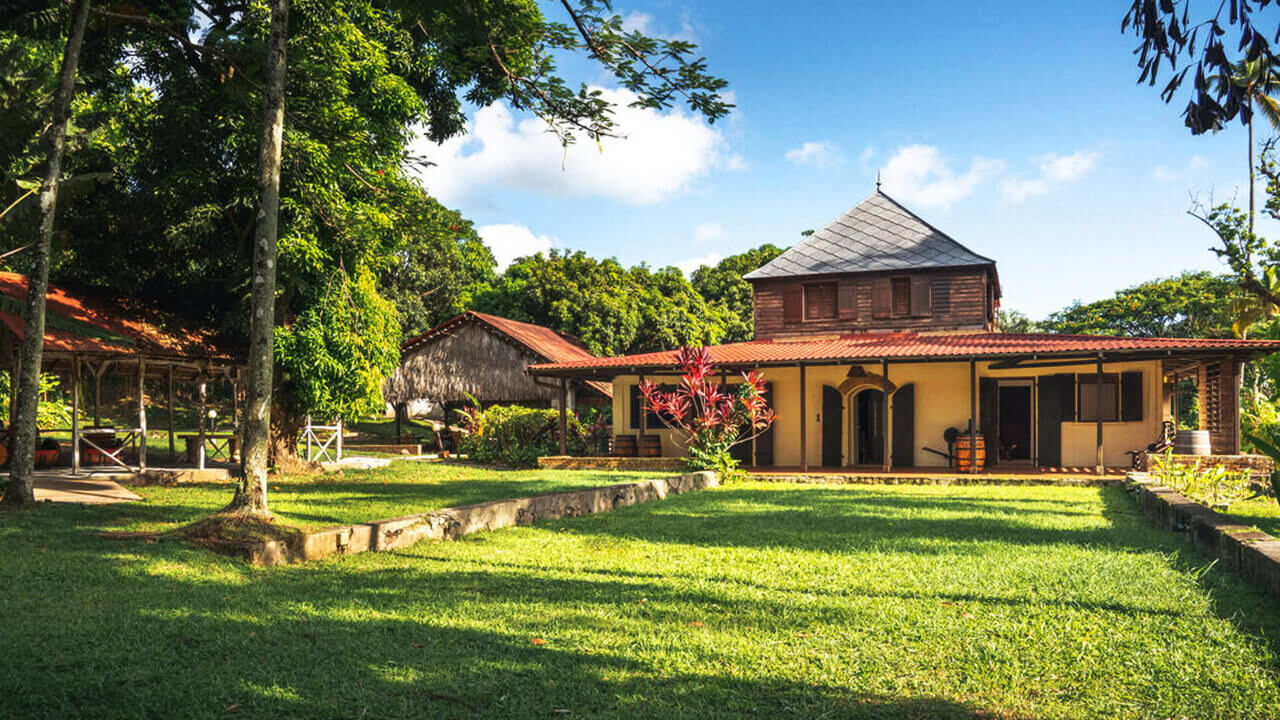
[[1258, 81], [1193, 304], [728, 294], [251, 494], [22, 458]]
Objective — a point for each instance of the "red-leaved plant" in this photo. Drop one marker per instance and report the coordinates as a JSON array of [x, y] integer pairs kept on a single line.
[[711, 417]]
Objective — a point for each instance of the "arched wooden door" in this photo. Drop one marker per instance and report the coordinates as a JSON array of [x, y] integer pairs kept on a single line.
[[868, 427], [832, 427]]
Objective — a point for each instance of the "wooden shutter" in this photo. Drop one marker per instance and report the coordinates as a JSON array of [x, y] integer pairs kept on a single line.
[[1131, 396], [881, 298], [820, 301], [793, 305], [1056, 405], [921, 288], [987, 394], [848, 301], [904, 426], [941, 296]]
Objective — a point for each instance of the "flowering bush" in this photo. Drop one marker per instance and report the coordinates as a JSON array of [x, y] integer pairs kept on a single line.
[[515, 436], [713, 419]]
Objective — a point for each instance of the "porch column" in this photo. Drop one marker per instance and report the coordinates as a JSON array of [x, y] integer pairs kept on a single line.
[[564, 416], [200, 426], [75, 414], [1097, 414], [142, 414], [97, 394], [644, 421], [804, 421], [169, 397], [888, 420], [973, 405]]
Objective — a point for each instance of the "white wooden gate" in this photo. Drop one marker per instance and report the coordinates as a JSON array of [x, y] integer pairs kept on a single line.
[[323, 442]]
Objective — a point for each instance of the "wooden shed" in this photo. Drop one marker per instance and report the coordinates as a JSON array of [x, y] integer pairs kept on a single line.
[[482, 356]]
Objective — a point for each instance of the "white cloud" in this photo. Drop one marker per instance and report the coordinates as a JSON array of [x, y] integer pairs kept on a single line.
[[1067, 168], [1165, 174], [659, 157], [867, 155], [688, 266], [708, 231], [509, 241], [1055, 170], [1162, 174], [918, 174], [643, 22], [818, 154]]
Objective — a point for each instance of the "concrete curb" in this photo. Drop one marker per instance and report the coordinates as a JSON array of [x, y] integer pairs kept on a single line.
[[1252, 553], [453, 523], [957, 480]]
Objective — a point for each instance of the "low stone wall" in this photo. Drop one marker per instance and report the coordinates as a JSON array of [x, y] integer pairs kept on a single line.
[[1252, 553], [390, 449], [451, 523], [608, 462], [958, 479], [1259, 467]]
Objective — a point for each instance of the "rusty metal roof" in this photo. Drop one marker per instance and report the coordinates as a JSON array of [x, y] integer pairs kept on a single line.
[[82, 323], [912, 346]]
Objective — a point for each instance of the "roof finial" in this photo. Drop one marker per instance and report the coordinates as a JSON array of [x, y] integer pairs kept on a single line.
[[877, 179]]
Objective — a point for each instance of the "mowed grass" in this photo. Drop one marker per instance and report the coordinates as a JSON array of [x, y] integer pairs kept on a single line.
[[754, 600], [320, 500], [1262, 513]]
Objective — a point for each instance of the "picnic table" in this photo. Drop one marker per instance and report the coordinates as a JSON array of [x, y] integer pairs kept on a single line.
[[216, 446]]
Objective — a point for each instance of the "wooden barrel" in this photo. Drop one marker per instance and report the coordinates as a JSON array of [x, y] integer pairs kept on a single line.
[[624, 445], [1192, 442], [651, 447], [970, 452]]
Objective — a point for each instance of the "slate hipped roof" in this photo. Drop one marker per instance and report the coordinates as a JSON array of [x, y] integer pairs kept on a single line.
[[876, 235]]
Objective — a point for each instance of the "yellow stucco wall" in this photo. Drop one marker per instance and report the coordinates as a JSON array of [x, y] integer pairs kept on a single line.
[[941, 401]]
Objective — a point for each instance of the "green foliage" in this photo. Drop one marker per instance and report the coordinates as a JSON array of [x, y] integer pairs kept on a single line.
[[1214, 486], [611, 309], [516, 436], [54, 410], [1193, 304], [1013, 321], [728, 295], [334, 355]]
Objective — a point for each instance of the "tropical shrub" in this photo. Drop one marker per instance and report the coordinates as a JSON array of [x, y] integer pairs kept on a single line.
[[1214, 486], [516, 436], [711, 418]]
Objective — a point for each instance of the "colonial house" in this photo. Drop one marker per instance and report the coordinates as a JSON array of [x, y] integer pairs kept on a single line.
[[878, 336]]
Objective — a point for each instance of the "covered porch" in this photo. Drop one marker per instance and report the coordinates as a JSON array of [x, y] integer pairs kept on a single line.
[[137, 391], [1069, 406]]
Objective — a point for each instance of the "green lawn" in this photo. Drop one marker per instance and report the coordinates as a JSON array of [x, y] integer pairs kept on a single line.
[[755, 600], [325, 499], [1262, 513]]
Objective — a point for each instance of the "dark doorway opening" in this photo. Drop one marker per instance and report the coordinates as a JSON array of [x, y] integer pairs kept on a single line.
[[1014, 409], [868, 428], [832, 427]]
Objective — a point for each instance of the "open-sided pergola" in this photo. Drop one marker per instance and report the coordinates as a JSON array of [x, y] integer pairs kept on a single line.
[[90, 338]]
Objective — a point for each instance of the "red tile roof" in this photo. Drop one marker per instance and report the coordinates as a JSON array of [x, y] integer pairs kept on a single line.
[[912, 346], [79, 322], [548, 344]]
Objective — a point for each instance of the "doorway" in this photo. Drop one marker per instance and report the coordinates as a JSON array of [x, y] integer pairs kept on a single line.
[[1014, 421], [832, 427], [867, 428]]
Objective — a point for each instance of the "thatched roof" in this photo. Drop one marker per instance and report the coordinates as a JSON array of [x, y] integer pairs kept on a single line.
[[484, 356]]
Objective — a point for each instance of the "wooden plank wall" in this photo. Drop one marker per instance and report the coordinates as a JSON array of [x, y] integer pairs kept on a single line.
[[959, 300], [1219, 403]]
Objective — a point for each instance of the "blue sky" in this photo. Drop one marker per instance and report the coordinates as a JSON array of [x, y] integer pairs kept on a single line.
[[1015, 127]]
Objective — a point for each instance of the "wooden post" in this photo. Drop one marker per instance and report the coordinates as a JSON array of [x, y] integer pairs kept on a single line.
[[338, 424], [200, 424], [173, 454], [1097, 415], [97, 394], [973, 408], [396, 409], [644, 422], [804, 422], [564, 416], [142, 414], [75, 414], [888, 419]]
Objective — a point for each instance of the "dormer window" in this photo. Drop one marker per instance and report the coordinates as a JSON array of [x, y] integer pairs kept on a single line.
[[901, 297]]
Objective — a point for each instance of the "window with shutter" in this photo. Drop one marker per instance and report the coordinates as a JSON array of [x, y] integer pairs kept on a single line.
[[921, 288], [848, 300], [1131, 396], [820, 301], [1088, 408], [881, 299], [901, 297], [792, 305]]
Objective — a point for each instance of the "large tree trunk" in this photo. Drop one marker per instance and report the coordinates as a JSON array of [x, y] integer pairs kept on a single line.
[[23, 447], [286, 431], [251, 496]]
